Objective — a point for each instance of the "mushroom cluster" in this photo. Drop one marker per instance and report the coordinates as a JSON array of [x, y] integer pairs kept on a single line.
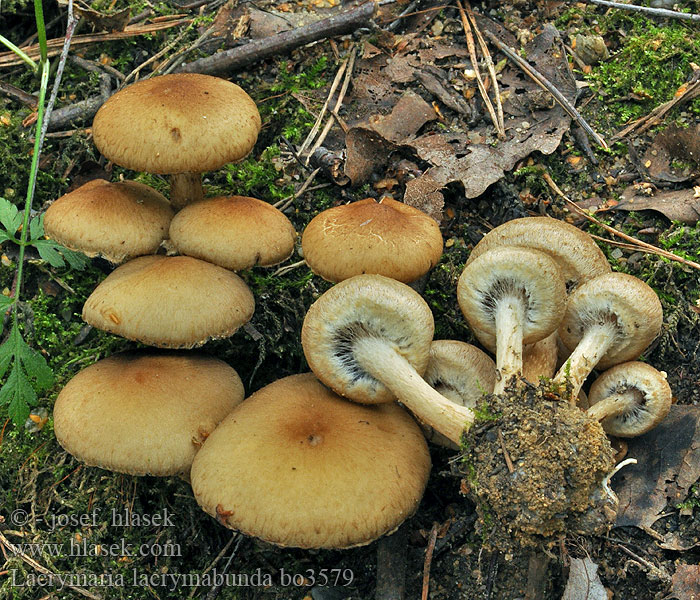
[[179, 125], [369, 338]]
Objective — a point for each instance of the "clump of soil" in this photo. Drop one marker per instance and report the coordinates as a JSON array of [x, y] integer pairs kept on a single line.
[[534, 466]]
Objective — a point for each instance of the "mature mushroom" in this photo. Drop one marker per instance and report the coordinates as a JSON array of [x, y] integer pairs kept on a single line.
[[296, 465], [576, 254], [609, 319], [114, 220], [144, 414], [178, 125], [515, 295], [170, 302], [630, 399], [461, 373], [368, 338], [234, 232], [386, 238]]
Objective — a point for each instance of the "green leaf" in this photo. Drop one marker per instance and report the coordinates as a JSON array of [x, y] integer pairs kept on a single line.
[[5, 303], [48, 251], [77, 260], [28, 373], [37, 368], [10, 217], [36, 227], [18, 394]]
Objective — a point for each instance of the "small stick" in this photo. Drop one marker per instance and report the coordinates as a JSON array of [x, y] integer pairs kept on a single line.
[[319, 119], [640, 245], [429, 560], [506, 456], [18, 94], [404, 13], [338, 104], [659, 12], [285, 202], [235, 58], [545, 84], [475, 64], [489, 66], [287, 268]]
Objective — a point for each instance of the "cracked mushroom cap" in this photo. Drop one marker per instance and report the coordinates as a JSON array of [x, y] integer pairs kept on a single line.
[[114, 220], [359, 307], [630, 399], [296, 465], [144, 414], [623, 304], [576, 254], [170, 302], [234, 232], [529, 276], [386, 238], [462, 373], [177, 123]]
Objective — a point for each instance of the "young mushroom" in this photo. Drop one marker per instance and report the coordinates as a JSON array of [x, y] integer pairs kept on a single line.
[[170, 302], [145, 414], [462, 373], [179, 125], [114, 220], [368, 338], [630, 399], [609, 319], [387, 238], [515, 295]]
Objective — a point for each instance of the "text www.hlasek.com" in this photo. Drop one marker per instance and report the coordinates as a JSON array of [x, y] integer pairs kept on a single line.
[[84, 548]]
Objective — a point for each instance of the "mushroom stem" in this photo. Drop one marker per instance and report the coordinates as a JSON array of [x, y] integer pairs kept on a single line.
[[595, 343], [509, 317], [615, 405], [384, 363], [185, 188]]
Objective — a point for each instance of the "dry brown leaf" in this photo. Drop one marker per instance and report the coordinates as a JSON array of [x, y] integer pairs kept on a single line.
[[685, 583], [584, 583], [99, 20], [668, 464], [677, 205]]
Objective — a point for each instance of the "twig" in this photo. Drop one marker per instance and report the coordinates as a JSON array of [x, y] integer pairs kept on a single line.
[[285, 202], [94, 67], [8, 59], [428, 561], [404, 13], [57, 578], [391, 566], [18, 94], [214, 591], [506, 455], [489, 66], [241, 56], [659, 12], [691, 91], [545, 84], [638, 244], [157, 55], [287, 268], [319, 119], [475, 64], [338, 104]]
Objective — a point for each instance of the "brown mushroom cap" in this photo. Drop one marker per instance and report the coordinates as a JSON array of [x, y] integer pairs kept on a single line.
[[386, 238], [296, 465], [365, 306], [176, 124], [144, 414], [576, 254], [234, 232], [630, 399], [170, 302], [114, 220]]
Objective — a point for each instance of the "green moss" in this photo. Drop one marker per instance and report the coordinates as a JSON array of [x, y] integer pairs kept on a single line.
[[647, 71]]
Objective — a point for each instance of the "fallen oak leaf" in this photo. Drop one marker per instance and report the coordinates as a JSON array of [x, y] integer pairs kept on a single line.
[[584, 582], [685, 583], [676, 205], [668, 464]]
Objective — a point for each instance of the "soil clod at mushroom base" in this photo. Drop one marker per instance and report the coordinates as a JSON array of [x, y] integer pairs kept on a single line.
[[534, 466]]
